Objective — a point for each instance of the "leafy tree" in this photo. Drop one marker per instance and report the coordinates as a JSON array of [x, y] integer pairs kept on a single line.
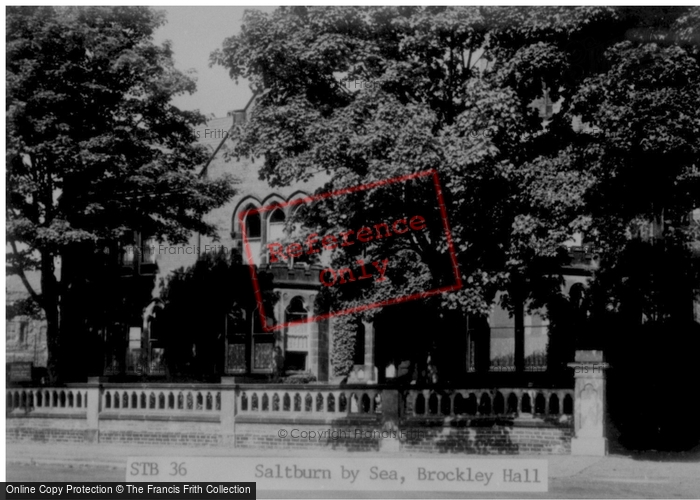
[[632, 79], [516, 188], [642, 148], [513, 194], [95, 150], [196, 303], [645, 110], [620, 152]]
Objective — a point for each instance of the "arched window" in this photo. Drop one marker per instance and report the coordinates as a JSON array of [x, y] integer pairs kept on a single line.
[[296, 310], [252, 224], [297, 336], [577, 295], [276, 224]]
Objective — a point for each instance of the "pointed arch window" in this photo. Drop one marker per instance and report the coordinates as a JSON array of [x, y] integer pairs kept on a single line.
[[276, 225], [253, 227], [297, 336], [296, 310]]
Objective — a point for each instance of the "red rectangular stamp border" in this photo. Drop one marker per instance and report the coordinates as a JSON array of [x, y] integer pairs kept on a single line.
[[309, 199]]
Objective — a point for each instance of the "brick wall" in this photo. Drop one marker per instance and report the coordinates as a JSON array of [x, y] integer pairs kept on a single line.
[[469, 438], [497, 436], [506, 437], [318, 435], [48, 430], [123, 431], [162, 432]]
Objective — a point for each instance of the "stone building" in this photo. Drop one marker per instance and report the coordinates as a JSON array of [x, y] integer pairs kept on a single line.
[[26, 341], [250, 351]]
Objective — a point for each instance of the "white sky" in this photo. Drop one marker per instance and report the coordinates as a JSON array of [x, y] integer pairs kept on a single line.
[[195, 33]]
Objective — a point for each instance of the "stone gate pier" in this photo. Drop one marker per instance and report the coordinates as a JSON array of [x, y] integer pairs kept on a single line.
[[589, 404]]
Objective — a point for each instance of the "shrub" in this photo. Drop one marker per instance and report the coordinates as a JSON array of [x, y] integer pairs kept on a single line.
[[299, 378]]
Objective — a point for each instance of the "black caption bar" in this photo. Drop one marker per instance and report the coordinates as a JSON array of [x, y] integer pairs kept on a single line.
[[128, 491]]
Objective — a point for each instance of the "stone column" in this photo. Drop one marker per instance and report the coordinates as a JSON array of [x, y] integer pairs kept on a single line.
[[312, 327], [93, 394], [369, 352], [228, 411], [280, 335], [391, 415], [589, 404]]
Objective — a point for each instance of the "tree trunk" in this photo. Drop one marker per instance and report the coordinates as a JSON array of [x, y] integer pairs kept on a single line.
[[75, 263], [519, 317], [50, 295], [518, 295]]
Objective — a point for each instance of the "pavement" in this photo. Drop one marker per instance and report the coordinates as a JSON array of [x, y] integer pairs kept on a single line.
[[648, 467]]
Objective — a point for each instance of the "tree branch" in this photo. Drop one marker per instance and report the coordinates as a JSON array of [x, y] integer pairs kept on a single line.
[[22, 276]]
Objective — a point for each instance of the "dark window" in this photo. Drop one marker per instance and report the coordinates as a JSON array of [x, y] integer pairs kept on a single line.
[[252, 224], [148, 250], [295, 361], [277, 216], [296, 310], [263, 353], [23, 326]]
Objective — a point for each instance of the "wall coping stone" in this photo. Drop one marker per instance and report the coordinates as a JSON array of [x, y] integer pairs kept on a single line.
[[313, 387], [164, 385], [229, 385], [35, 414], [480, 422], [107, 415], [255, 419]]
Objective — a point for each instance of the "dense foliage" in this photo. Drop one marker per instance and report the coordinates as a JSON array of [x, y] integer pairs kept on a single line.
[[95, 151], [368, 93], [203, 303], [345, 329]]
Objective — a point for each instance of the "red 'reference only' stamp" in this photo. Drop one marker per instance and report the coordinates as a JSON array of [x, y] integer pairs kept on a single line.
[[391, 229]]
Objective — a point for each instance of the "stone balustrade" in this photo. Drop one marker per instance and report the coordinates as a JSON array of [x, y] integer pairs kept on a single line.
[[439, 419], [309, 400], [162, 398], [475, 403], [261, 399], [46, 400]]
